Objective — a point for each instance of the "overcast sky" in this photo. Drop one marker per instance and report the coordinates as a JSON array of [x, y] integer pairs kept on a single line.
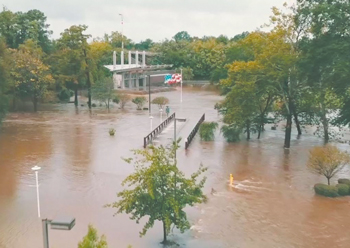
[[155, 19]]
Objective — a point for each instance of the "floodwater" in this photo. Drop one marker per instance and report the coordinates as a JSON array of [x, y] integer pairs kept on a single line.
[[271, 205]]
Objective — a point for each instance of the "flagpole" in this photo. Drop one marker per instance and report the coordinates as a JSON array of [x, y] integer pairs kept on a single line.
[[181, 84]]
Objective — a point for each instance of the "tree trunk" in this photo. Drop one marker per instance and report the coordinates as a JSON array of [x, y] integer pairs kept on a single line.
[[297, 123], [259, 131], [329, 182], [325, 130], [35, 103], [14, 103], [164, 232], [76, 96], [88, 78], [288, 131], [248, 130]]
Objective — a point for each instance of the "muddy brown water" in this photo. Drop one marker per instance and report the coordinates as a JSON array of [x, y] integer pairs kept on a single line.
[[271, 205]]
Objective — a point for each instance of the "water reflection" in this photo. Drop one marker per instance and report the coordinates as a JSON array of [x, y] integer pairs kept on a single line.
[[272, 203]]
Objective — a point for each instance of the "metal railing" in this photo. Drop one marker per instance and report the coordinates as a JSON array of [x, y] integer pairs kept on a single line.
[[157, 130], [193, 132]]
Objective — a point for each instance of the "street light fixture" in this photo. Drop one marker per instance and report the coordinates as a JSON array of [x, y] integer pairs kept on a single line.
[[36, 169], [121, 15], [56, 224], [151, 118]]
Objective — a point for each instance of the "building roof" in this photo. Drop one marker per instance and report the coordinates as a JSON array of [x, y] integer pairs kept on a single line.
[[135, 68]]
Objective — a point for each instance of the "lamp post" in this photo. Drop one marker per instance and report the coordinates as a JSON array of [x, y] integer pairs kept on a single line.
[[181, 85], [121, 15], [58, 224], [150, 119], [36, 169], [161, 115]]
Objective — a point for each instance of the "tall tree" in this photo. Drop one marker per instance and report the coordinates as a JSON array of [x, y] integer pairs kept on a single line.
[[31, 76], [74, 63], [5, 61], [159, 190], [19, 27], [325, 61]]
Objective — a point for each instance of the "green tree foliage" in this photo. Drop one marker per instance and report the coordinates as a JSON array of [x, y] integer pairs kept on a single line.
[[159, 190], [92, 240], [161, 101], [325, 62], [103, 91], [73, 60], [32, 78], [4, 79], [207, 129], [139, 101], [18, 27], [182, 36], [231, 133]]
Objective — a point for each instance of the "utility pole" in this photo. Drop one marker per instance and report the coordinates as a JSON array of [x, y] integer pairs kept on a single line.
[[121, 15]]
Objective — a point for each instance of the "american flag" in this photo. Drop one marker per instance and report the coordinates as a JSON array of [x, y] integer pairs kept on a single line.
[[172, 79]]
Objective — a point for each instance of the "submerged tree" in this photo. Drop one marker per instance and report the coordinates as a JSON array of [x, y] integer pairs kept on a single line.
[[159, 190], [103, 91], [31, 76], [161, 101], [327, 161], [139, 101], [206, 130]]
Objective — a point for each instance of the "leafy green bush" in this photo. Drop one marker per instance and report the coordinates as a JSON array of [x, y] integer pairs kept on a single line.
[[206, 130], [111, 132], [139, 101], [343, 189], [160, 101], [326, 190], [65, 94], [344, 181], [116, 99], [231, 133]]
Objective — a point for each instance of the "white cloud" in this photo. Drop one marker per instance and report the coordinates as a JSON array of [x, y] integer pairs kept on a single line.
[[155, 19]]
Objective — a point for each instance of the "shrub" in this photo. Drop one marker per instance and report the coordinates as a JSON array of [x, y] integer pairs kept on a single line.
[[65, 95], [124, 99], [160, 101], [116, 99], [111, 132], [343, 189], [344, 181], [326, 190], [231, 133], [94, 105], [206, 130], [139, 101]]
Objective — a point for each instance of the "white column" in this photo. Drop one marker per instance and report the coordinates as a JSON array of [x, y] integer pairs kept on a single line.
[[143, 58], [130, 81], [129, 58], [36, 168], [137, 81], [144, 82], [114, 60], [122, 59], [123, 81], [137, 58]]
